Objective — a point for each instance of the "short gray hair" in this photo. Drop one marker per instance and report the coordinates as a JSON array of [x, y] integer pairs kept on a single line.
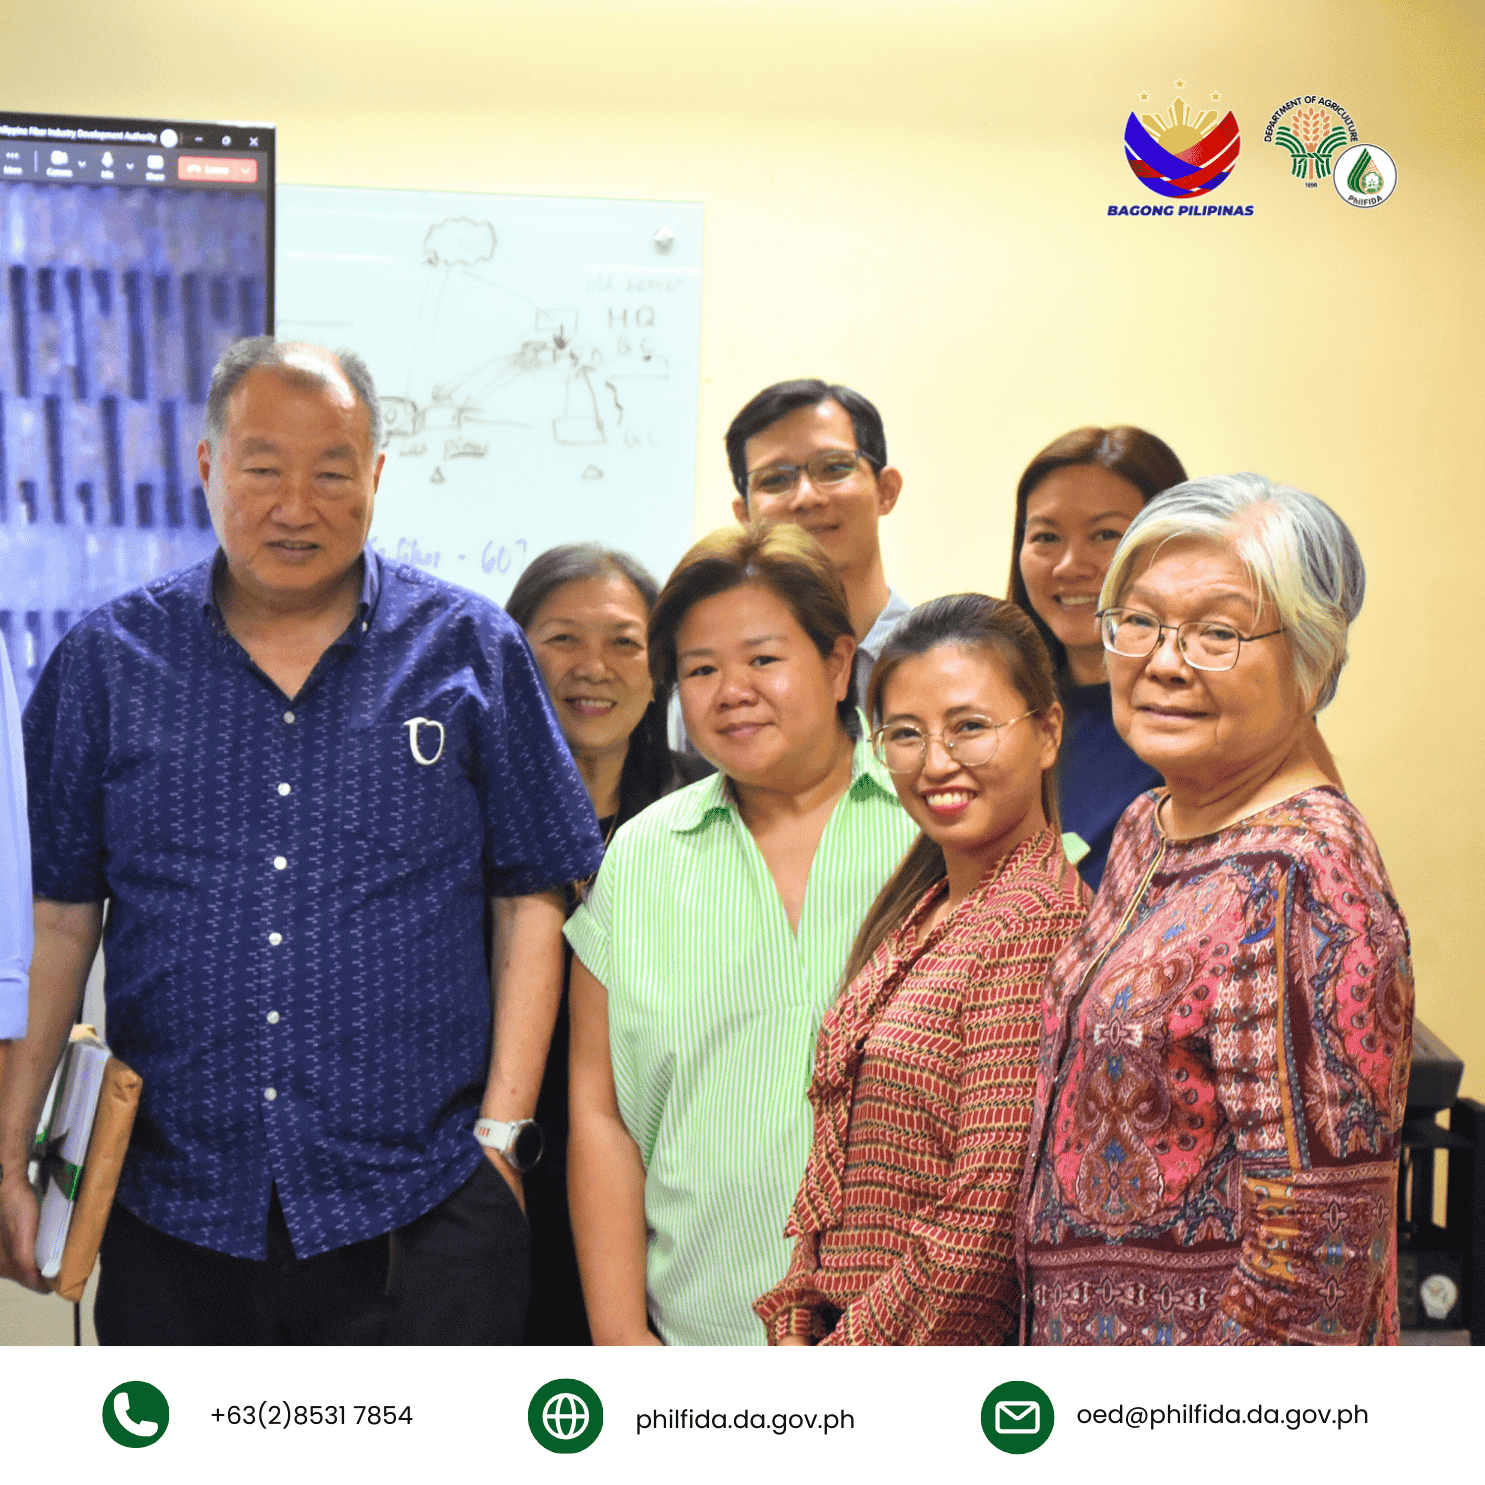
[[1299, 555], [246, 355]]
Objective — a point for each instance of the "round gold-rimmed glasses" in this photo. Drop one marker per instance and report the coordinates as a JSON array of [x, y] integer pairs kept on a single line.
[[901, 747]]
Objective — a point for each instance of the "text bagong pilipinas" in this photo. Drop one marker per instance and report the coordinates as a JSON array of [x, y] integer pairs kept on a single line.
[[1181, 211]]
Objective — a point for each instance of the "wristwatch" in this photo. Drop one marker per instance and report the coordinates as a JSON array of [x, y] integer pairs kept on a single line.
[[519, 1141]]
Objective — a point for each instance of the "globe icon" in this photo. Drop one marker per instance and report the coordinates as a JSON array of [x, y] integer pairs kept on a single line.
[[565, 1416]]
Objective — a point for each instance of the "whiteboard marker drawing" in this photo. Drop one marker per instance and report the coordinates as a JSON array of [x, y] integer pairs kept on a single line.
[[538, 362], [546, 363]]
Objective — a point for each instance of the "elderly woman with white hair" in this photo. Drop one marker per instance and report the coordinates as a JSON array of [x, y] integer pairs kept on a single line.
[[1225, 1051]]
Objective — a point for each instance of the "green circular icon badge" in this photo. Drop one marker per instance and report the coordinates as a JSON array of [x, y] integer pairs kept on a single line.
[[565, 1416], [136, 1415], [1017, 1417]]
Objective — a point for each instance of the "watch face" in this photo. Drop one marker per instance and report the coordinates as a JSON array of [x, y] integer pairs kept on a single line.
[[527, 1147], [1439, 1293]]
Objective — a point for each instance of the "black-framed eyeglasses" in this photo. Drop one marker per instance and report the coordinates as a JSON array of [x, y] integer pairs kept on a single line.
[[828, 467], [1204, 644], [901, 747]]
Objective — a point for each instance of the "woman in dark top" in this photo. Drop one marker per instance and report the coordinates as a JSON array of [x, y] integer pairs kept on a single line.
[[1073, 504], [585, 610]]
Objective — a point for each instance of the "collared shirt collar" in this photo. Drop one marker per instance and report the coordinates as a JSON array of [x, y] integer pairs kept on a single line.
[[713, 795], [201, 583], [897, 609], [869, 651]]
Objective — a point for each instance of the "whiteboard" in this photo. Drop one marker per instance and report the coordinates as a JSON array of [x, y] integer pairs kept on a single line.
[[537, 359]]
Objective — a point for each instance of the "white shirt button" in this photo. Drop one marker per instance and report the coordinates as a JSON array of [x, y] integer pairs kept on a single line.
[[275, 939], [363, 626], [284, 789], [279, 862], [273, 1018], [288, 716], [270, 1094]]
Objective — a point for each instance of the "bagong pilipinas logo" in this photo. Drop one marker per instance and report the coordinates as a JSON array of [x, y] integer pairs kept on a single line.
[[1184, 154]]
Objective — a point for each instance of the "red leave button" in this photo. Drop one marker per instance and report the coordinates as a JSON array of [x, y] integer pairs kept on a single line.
[[231, 170]]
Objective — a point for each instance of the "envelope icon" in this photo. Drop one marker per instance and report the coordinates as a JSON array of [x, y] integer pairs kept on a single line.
[[1018, 1417]]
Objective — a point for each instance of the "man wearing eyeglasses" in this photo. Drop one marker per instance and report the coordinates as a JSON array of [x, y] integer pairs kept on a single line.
[[816, 454]]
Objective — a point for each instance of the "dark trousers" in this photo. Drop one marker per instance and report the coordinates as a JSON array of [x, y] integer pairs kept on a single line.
[[461, 1274], [458, 1276], [556, 1316]]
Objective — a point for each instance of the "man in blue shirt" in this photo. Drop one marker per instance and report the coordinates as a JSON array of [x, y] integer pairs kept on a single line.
[[15, 863], [297, 774]]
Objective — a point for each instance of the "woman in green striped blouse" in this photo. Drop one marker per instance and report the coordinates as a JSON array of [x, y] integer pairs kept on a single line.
[[713, 942]]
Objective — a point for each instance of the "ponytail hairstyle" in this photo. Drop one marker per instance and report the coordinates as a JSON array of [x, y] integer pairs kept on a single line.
[[968, 621]]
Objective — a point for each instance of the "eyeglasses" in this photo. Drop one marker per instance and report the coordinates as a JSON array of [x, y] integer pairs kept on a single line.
[[970, 741], [828, 467], [1203, 644]]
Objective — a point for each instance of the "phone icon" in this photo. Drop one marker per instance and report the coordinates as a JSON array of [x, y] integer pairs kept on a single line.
[[146, 1430], [135, 1414]]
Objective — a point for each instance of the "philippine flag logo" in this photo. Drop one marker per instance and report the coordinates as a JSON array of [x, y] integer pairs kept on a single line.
[[1184, 154]]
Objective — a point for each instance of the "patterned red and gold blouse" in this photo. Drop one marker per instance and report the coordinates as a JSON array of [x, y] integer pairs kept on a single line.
[[922, 1095], [1223, 1071]]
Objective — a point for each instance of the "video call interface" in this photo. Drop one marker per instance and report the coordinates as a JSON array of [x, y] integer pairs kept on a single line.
[[135, 251]]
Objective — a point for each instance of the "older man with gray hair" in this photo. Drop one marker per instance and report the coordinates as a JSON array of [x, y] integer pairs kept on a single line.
[[299, 776]]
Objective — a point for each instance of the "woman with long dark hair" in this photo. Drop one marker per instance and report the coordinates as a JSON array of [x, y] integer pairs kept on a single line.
[[585, 610], [904, 1223], [1073, 503]]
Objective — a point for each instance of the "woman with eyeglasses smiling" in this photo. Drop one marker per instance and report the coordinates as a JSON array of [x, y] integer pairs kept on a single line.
[[1224, 1063], [923, 1070], [1074, 502]]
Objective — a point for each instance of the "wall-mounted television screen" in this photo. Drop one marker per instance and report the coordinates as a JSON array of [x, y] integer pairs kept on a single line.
[[134, 251]]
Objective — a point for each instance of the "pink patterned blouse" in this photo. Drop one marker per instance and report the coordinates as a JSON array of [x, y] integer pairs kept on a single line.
[[1223, 1068], [922, 1095]]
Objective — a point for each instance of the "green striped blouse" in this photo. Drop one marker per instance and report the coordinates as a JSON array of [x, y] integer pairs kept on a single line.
[[714, 1006]]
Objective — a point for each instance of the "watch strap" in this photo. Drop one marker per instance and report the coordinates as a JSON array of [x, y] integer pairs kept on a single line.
[[498, 1134], [519, 1142]]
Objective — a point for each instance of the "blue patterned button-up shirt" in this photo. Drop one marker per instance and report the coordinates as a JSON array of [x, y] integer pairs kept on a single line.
[[296, 890]]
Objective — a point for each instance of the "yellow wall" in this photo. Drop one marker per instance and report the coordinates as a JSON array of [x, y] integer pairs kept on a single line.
[[911, 197]]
